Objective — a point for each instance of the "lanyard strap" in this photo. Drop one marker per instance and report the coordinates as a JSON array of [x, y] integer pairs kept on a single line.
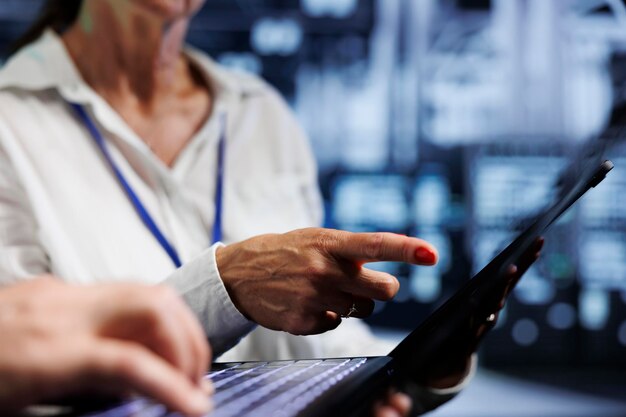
[[143, 213], [219, 184]]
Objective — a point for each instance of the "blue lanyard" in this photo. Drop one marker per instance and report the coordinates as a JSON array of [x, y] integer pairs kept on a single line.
[[143, 213]]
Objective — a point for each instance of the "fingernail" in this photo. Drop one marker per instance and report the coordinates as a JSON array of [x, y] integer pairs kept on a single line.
[[426, 256], [200, 404]]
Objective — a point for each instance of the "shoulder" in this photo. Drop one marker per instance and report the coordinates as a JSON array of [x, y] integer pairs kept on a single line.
[[33, 76], [40, 65]]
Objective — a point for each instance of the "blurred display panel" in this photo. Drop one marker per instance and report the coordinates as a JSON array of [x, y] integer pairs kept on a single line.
[[602, 268], [449, 120], [508, 187], [371, 203], [509, 184], [569, 307]]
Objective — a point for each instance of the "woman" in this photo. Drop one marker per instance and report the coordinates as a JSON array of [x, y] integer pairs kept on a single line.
[[124, 157]]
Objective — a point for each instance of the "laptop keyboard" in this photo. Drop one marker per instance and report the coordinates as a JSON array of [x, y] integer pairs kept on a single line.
[[276, 388], [260, 389]]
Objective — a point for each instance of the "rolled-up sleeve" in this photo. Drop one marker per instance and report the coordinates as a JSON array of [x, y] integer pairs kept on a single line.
[[199, 283]]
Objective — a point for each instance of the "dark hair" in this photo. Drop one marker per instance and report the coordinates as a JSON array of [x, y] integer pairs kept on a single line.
[[55, 14]]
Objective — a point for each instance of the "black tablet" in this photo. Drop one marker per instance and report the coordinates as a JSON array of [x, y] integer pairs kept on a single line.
[[473, 303]]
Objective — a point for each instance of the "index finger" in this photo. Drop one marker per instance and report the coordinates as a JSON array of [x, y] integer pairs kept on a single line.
[[377, 247]]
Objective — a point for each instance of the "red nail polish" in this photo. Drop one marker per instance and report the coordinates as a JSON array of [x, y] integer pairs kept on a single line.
[[425, 256]]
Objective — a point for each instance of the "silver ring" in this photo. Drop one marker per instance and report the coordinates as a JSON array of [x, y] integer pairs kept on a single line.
[[352, 311], [490, 318]]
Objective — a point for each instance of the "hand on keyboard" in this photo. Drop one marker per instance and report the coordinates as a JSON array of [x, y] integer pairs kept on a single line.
[[60, 340]]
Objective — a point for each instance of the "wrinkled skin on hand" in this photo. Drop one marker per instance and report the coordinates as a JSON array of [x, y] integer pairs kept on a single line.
[[302, 282]]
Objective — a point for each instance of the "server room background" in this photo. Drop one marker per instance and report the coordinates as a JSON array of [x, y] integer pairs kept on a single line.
[[449, 120]]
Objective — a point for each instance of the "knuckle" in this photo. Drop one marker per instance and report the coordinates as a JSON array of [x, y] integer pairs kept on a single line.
[[408, 250], [317, 268], [125, 366], [389, 288], [322, 242], [153, 322], [161, 299], [153, 315], [373, 248], [163, 293], [325, 240]]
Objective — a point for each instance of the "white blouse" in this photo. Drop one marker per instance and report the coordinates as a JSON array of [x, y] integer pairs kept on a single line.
[[62, 211]]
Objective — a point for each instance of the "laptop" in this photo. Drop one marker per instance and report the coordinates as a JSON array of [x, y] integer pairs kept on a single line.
[[348, 386]]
